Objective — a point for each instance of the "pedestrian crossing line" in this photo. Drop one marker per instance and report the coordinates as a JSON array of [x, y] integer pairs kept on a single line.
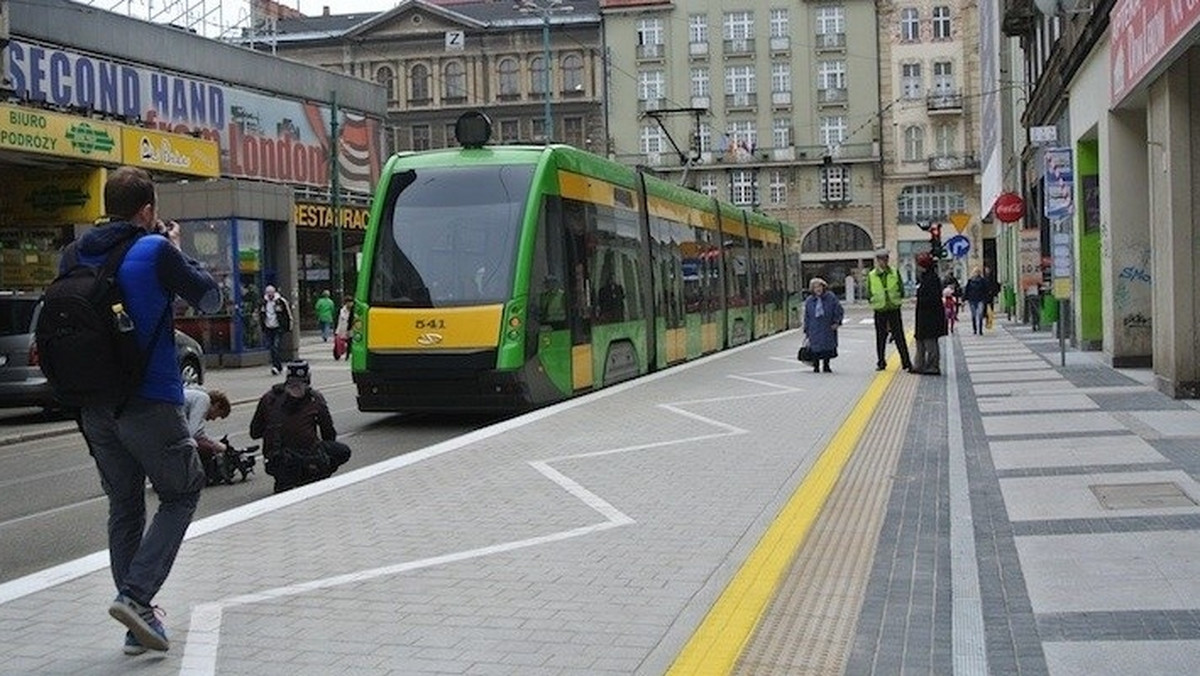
[[723, 634]]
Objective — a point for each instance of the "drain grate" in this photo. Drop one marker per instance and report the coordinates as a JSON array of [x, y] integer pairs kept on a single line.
[[1141, 496]]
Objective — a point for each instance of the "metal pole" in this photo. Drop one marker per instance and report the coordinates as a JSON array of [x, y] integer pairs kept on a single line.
[[548, 121], [335, 201]]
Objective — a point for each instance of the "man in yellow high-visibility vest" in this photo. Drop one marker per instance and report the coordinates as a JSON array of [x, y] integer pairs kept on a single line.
[[886, 293]]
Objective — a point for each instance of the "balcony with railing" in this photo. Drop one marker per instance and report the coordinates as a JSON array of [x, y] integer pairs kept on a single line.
[[741, 101], [781, 99], [651, 104], [781, 44], [701, 102], [698, 49], [651, 52], [943, 103], [830, 41], [833, 96], [946, 165], [739, 47]]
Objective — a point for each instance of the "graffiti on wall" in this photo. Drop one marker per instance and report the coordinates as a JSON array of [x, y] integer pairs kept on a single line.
[[1131, 295]]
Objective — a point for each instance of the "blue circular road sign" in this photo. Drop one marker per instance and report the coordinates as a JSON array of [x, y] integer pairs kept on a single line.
[[958, 246]]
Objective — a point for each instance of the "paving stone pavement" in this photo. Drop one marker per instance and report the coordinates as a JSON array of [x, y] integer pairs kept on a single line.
[[593, 537]]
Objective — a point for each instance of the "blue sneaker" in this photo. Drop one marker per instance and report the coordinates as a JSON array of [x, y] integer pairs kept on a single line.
[[142, 622], [132, 647]]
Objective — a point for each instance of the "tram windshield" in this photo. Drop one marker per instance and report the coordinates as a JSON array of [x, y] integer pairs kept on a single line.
[[450, 237]]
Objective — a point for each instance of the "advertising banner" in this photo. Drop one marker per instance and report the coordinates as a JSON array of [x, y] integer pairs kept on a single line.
[[156, 151], [260, 136], [1141, 34], [1060, 184], [318, 215], [33, 197], [38, 131]]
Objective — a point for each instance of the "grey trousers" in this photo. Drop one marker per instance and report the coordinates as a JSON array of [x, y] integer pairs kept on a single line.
[[927, 358], [149, 440]]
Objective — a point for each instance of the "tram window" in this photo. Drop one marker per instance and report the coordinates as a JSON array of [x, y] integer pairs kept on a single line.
[[453, 236]]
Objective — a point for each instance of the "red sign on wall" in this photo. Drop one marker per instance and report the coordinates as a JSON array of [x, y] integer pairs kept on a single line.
[[1009, 207], [1142, 33]]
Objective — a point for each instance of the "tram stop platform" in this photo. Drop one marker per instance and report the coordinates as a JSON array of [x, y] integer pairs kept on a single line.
[[736, 515]]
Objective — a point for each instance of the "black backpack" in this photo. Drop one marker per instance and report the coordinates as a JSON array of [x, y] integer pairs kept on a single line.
[[85, 339]]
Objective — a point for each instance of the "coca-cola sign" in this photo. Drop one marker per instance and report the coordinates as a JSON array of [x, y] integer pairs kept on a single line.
[[1009, 207]]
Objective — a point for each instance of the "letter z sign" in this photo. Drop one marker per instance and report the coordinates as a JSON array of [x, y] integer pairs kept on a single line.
[[454, 41]]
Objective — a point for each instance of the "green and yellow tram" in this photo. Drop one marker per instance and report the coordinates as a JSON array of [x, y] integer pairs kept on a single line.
[[501, 278]]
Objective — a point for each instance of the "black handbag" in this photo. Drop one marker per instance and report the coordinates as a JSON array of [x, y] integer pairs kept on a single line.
[[805, 353]]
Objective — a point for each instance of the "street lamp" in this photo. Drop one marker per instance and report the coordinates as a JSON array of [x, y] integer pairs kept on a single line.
[[545, 10]]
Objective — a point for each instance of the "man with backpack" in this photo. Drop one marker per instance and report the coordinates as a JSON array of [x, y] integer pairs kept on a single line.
[[134, 426]]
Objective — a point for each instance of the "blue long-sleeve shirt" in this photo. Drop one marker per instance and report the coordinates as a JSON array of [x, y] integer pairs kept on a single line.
[[151, 275]]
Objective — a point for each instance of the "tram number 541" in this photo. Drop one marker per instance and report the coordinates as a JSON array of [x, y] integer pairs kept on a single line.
[[424, 324]]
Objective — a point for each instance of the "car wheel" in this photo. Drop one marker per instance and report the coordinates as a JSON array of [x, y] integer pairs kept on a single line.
[[189, 370]]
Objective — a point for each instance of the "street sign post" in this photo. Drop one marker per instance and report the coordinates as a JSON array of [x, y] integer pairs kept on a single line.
[[958, 246]]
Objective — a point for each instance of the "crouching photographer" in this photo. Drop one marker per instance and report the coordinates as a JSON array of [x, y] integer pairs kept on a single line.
[[299, 441]]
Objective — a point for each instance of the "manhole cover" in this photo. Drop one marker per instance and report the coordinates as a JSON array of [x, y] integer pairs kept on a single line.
[[1141, 496]]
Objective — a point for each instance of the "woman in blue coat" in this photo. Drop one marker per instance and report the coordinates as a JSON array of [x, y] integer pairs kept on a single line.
[[822, 316]]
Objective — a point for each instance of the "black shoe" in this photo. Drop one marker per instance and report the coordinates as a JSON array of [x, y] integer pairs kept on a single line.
[[827, 369], [816, 368], [880, 366]]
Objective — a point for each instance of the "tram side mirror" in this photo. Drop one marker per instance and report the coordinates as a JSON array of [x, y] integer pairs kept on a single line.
[[473, 129]]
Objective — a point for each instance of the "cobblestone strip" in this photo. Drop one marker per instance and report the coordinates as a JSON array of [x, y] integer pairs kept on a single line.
[[809, 627]]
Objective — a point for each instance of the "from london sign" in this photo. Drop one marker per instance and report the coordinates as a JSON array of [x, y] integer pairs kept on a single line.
[[1143, 33]]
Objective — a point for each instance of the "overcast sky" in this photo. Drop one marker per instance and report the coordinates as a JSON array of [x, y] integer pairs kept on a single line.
[[315, 7]]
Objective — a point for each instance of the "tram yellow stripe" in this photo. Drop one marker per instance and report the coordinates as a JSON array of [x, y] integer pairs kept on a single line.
[[717, 643]]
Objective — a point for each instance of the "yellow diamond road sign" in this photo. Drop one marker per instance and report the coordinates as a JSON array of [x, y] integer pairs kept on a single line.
[[959, 220]]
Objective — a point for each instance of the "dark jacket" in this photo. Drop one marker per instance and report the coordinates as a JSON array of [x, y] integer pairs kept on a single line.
[[822, 337], [931, 314], [283, 312], [977, 290], [150, 277], [285, 422]]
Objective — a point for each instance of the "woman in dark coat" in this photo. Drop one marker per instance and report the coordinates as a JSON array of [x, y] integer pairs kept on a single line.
[[823, 315], [977, 295], [931, 317]]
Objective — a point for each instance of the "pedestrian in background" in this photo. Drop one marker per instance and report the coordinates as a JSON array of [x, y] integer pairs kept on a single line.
[[341, 334], [823, 315], [147, 437], [930, 317], [976, 295], [275, 316], [886, 293], [324, 310]]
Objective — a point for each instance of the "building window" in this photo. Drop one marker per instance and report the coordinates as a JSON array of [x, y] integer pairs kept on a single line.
[[454, 82], [943, 78], [739, 80], [537, 126], [510, 131], [831, 20], [572, 72], [831, 75], [651, 139], [835, 184], [741, 188], [833, 130], [918, 203], [704, 137], [781, 132], [708, 185], [911, 84], [778, 187], [537, 76], [943, 140], [779, 23], [573, 131], [700, 82], [941, 23], [910, 25], [698, 29], [651, 85], [510, 82], [420, 137], [650, 37], [739, 25], [450, 139], [741, 136], [914, 144], [420, 84], [781, 76], [387, 78]]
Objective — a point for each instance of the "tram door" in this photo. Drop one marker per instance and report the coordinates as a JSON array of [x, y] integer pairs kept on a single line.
[[578, 230]]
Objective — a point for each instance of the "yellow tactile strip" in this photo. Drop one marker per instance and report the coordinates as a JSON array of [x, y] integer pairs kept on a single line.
[[719, 641], [809, 627]]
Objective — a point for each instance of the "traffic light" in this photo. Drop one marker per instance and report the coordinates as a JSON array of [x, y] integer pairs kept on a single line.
[[935, 241]]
